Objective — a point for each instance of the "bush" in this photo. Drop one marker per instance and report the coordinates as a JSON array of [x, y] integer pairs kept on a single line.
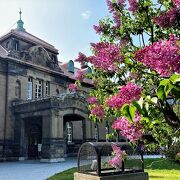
[[173, 151], [177, 157]]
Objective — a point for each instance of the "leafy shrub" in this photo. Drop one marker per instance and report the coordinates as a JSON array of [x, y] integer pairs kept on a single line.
[[172, 151], [177, 157]]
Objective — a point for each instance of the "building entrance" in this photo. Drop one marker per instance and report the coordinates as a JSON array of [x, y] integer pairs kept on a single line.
[[34, 138], [73, 133]]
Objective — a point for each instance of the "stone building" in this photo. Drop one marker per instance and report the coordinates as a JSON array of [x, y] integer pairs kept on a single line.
[[39, 117]]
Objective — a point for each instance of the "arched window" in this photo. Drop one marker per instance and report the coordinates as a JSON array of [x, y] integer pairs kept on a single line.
[[69, 127], [18, 89], [71, 66]]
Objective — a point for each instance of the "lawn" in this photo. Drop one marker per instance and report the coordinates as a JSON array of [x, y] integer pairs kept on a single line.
[[158, 169]]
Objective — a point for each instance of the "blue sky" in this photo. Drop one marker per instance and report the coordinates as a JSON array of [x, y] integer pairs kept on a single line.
[[66, 24]]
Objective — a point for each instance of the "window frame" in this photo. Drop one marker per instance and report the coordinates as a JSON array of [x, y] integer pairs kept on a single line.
[[39, 88], [30, 91]]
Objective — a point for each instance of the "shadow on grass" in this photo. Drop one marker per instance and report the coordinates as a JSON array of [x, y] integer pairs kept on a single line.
[[161, 164]]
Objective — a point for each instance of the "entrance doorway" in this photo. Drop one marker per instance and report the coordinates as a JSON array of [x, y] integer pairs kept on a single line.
[[34, 138], [74, 133]]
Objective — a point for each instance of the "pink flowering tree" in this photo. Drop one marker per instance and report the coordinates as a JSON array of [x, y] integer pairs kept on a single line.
[[136, 68]]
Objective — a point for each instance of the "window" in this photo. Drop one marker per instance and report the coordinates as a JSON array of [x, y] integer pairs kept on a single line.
[[39, 89], [47, 88], [30, 88], [89, 70], [71, 66], [89, 73], [16, 47], [107, 131], [53, 58], [57, 92], [18, 89], [69, 127], [7, 44]]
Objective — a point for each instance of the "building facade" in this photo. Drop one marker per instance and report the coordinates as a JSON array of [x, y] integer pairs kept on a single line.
[[39, 117]]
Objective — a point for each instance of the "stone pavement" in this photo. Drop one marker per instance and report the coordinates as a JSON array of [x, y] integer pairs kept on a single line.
[[33, 170]]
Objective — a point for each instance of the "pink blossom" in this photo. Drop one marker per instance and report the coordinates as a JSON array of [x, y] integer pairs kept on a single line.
[[115, 162], [73, 87], [101, 27], [112, 9], [168, 19], [110, 6], [82, 59], [98, 29], [126, 94], [98, 111], [133, 5], [121, 3], [116, 18], [92, 100], [133, 131], [176, 2], [162, 56], [79, 75], [106, 56], [119, 155]]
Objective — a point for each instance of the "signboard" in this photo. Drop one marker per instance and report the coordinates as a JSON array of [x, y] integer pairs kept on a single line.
[[39, 147]]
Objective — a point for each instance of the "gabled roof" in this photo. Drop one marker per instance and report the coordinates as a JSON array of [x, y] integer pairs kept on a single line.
[[3, 52], [30, 38]]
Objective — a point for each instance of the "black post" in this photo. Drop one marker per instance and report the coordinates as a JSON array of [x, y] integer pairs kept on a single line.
[[122, 166]]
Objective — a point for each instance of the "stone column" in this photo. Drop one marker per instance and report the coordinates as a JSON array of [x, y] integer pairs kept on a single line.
[[19, 139], [53, 144]]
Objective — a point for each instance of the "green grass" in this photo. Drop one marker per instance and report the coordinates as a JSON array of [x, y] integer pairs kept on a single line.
[[65, 175], [162, 169], [158, 169]]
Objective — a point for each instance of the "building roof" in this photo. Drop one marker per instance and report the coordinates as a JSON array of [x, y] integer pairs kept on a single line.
[[28, 37], [64, 68], [3, 52]]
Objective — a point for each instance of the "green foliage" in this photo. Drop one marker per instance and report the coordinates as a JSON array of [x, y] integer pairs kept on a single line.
[[128, 111], [173, 150], [169, 87]]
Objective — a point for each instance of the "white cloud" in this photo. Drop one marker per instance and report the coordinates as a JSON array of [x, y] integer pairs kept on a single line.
[[86, 14]]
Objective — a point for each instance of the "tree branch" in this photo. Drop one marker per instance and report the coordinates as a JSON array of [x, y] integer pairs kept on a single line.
[[150, 25], [169, 115]]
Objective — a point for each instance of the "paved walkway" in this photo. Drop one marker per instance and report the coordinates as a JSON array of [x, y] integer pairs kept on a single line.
[[33, 170]]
